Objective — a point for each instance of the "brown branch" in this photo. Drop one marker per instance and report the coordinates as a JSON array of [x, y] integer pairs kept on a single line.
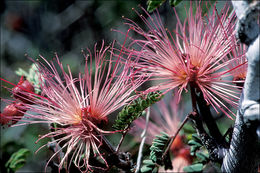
[[172, 138]]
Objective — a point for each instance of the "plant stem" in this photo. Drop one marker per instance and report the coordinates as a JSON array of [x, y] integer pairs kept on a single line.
[[209, 120], [172, 138], [107, 145], [193, 99], [121, 140]]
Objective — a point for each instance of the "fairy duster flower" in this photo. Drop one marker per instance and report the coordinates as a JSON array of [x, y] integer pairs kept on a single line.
[[192, 55], [79, 106]]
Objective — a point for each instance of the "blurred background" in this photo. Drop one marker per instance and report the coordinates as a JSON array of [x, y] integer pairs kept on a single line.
[[43, 27]]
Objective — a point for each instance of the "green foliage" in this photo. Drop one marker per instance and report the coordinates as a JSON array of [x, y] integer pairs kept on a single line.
[[195, 144], [201, 157], [149, 166], [134, 110], [159, 145], [193, 168], [17, 160], [32, 76], [153, 4]]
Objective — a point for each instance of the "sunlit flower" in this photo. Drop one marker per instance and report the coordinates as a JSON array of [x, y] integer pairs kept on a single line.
[[192, 55], [80, 106]]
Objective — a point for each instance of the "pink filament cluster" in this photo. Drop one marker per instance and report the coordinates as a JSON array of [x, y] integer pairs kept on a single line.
[[80, 105], [198, 53]]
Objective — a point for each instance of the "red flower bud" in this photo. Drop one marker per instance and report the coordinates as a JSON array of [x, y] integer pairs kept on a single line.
[[23, 91], [11, 114]]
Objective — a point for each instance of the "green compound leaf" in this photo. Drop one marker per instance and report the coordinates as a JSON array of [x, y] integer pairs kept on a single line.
[[17, 160], [202, 157], [153, 4], [32, 76], [133, 111], [193, 168], [195, 144], [159, 145], [149, 166], [174, 3]]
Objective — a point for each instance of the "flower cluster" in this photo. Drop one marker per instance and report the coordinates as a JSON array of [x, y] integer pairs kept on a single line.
[[201, 53]]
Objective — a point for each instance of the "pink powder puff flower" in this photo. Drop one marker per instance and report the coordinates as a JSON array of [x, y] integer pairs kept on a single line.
[[80, 105], [192, 55]]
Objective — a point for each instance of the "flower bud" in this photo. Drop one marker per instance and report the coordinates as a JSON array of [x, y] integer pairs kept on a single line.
[[12, 113], [23, 91]]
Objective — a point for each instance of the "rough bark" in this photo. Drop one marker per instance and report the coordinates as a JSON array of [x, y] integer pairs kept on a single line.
[[244, 152]]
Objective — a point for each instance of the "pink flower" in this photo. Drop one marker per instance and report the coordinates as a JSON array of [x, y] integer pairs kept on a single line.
[[80, 106], [192, 55]]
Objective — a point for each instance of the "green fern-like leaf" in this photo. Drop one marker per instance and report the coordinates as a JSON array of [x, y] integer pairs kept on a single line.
[[32, 76], [195, 144], [149, 166], [133, 111], [158, 147]]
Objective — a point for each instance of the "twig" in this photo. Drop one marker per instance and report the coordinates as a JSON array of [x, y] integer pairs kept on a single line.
[[54, 146], [143, 136], [173, 137], [107, 145], [121, 140]]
